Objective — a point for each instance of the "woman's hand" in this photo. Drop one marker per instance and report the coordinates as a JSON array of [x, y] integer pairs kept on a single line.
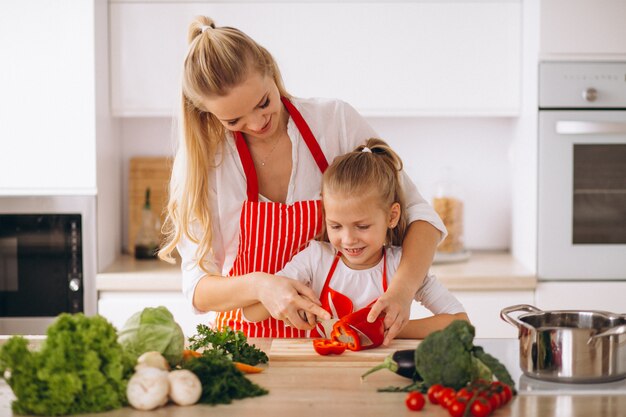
[[396, 306], [286, 298]]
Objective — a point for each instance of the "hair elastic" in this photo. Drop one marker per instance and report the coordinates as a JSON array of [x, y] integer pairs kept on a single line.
[[203, 28], [366, 149]]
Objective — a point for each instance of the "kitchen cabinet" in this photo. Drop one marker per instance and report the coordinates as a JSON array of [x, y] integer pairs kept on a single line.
[[385, 58], [118, 306], [56, 134], [483, 308], [577, 295], [594, 28], [47, 104]]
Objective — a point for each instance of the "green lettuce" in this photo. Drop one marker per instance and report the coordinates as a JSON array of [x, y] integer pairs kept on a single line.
[[79, 369], [153, 329]]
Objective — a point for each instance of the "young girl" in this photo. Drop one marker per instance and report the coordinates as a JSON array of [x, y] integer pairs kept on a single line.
[[365, 225]]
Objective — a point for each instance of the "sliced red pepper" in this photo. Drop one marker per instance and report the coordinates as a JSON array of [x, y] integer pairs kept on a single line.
[[328, 347], [344, 333], [357, 322]]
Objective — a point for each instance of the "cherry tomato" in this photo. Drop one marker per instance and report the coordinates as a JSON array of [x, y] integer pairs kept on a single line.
[[415, 401], [495, 400], [464, 394], [508, 393], [434, 392], [457, 408], [480, 408], [447, 396]]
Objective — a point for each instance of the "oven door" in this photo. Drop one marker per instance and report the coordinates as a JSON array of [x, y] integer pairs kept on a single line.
[[582, 195], [40, 265], [47, 260]]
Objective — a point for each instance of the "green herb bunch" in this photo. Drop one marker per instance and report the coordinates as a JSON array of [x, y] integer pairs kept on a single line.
[[229, 342], [221, 381]]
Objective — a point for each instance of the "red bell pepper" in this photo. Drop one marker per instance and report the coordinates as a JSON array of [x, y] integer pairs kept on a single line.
[[328, 347], [349, 328]]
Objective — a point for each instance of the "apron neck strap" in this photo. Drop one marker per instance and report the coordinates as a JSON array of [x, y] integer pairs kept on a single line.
[[248, 167], [334, 266], [307, 135]]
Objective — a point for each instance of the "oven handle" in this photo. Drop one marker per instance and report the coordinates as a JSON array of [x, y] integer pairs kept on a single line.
[[569, 127]]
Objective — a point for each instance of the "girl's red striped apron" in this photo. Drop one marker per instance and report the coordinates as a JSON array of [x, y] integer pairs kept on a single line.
[[270, 233]]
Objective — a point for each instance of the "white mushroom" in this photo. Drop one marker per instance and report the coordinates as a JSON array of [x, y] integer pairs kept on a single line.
[[152, 359], [185, 387], [148, 388]]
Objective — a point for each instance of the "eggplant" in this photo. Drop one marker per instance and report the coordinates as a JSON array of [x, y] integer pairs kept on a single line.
[[401, 362]]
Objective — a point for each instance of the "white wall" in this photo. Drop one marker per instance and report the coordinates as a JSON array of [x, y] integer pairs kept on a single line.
[[477, 150]]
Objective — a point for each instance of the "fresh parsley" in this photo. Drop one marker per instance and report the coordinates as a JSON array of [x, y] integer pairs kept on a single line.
[[229, 342], [221, 381]]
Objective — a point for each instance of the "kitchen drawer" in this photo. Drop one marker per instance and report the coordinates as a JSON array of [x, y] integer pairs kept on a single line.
[[483, 309], [577, 295]]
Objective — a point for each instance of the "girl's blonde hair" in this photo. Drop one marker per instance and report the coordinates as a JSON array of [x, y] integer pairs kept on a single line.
[[375, 171], [218, 59]]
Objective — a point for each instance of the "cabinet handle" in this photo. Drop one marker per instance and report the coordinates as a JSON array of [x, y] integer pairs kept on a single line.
[[567, 127]]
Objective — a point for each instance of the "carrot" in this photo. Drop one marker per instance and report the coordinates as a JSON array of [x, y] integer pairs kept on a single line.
[[188, 354], [248, 369]]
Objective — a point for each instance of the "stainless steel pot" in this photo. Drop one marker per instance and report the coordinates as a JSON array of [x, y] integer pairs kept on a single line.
[[570, 345]]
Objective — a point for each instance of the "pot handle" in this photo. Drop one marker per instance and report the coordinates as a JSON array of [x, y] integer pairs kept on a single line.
[[514, 321], [611, 332]]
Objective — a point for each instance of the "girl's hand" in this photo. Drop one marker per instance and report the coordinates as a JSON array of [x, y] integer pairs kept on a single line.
[[397, 309], [284, 298]]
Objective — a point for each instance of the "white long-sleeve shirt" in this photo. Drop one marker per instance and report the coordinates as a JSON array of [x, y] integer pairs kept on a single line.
[[311, 265], [338, 129]]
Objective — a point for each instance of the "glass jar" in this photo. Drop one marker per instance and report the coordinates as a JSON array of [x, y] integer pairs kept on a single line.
[[449, 206]]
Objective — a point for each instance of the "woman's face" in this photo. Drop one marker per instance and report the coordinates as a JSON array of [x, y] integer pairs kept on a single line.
[[357, 227], [253, 107]]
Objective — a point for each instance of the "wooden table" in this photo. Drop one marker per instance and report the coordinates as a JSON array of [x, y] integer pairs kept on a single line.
[[327, 387]]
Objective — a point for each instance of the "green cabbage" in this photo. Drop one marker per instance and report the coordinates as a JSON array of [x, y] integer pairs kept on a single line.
[[79, 369], [153, 329]]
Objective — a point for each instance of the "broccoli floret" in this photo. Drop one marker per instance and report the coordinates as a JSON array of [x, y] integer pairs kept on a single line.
[[446, 356]]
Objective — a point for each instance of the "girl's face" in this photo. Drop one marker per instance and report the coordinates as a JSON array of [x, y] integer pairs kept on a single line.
[[357, 227], [253, 107]]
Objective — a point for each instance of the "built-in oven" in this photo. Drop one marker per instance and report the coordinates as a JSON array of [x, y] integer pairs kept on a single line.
[[46, 260], [582, 171]]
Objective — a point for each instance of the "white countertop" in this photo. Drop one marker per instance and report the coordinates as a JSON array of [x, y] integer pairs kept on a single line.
[[483, 271]]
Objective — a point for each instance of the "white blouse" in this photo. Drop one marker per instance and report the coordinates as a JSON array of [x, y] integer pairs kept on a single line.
[[311, 266], [338, 129]]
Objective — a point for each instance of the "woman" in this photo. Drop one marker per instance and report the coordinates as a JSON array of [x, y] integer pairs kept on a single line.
[[245, 189]]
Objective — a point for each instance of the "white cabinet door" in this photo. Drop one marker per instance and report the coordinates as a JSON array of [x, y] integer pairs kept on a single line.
[[602, 295], [117, 307], [582, 27], [398, 58], [47, 97], [483, 309]]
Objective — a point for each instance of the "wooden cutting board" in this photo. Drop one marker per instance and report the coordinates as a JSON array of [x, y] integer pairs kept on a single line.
[[287, 352], [153, 172]]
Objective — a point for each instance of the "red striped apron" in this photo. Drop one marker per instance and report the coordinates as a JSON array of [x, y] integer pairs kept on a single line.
[[338, 304], [270, 233]]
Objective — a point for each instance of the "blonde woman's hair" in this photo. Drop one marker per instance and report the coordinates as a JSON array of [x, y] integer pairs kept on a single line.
[[218, 59], [372, 169]]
